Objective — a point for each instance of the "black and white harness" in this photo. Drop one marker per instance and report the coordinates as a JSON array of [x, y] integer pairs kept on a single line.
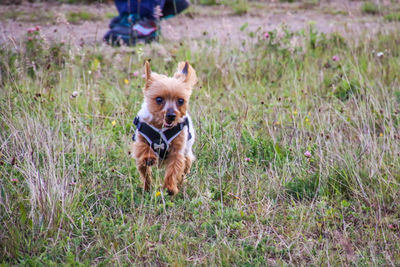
[[159, 140]]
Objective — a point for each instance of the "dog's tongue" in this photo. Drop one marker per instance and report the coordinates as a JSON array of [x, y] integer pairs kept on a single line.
[[167, 124]]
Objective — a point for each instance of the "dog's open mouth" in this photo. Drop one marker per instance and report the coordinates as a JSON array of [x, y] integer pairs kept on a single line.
[[168, 125]]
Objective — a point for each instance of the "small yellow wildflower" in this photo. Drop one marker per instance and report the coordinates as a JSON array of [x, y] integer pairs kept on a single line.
[[113, 123], [381, 134], [295, 112], [307, 120], [126, 81], [158, 193], [277, 123]]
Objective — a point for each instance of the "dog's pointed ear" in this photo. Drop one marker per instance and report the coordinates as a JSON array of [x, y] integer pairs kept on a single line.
[[186, 73], [147, 73]]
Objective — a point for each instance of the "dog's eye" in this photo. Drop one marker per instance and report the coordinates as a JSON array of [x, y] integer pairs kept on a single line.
[[180, 102], [159, 100]]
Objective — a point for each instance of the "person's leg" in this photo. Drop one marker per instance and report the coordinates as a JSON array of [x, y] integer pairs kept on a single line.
[[174, 7], [131, 11], [142, 8], [123, 17], [136, 20], [123, 6]]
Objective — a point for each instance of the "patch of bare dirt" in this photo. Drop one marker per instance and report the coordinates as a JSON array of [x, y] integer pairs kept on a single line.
[[217, 22]]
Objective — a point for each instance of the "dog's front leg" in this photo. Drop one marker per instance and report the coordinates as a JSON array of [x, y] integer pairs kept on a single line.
[[145, 158], [145, 176], [174, 172]]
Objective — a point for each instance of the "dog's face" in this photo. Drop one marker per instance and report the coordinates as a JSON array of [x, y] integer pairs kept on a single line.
[[167, 98]]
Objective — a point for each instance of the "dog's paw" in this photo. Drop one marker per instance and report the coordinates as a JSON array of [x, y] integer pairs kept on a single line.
[[146, 186], [149, 161], [172, 190]]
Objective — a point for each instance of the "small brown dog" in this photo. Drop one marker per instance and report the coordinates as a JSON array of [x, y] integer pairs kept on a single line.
[[164, 130]]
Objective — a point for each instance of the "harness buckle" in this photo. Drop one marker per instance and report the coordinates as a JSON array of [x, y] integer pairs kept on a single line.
[[136, 121], [161, 148]]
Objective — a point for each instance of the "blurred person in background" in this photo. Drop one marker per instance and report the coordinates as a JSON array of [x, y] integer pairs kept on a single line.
[[138, 20]]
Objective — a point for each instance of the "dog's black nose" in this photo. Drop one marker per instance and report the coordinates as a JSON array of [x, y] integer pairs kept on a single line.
[[170, 116]]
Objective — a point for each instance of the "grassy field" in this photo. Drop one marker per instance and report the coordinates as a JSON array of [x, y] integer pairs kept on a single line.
[[297, 149]]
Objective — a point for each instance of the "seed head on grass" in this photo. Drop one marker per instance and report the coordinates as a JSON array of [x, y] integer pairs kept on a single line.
[[74, 94], [31, 30]]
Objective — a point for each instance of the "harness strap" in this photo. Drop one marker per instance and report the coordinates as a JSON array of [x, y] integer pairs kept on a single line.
[[159, 140]]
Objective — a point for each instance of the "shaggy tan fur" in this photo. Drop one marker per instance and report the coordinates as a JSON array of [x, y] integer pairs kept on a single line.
[[171, 90]]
